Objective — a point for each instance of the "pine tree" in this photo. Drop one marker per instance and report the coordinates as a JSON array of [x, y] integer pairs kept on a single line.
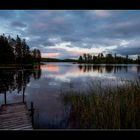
[[80, 60]]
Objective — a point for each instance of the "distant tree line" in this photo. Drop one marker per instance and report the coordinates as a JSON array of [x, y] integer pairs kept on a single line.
[[16, 51], [57, 60], [107, 59]]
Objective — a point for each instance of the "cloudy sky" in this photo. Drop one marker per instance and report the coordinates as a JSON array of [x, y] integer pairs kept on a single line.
[[70, 33]]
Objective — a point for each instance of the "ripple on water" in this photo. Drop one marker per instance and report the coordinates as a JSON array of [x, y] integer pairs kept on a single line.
[[53, 83], [35, 85]]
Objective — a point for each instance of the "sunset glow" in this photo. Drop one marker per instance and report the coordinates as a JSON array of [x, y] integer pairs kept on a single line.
[[50, 55]]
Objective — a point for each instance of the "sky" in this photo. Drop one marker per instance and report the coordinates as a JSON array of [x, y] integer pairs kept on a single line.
[[70, 33]]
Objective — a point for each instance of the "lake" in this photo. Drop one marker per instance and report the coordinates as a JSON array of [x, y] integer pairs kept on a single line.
[[45, 85]]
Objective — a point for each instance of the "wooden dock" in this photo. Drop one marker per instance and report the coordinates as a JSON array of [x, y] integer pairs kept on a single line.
[[15, 116]]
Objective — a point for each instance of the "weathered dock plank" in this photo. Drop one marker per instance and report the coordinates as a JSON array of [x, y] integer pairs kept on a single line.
[[15, 117]]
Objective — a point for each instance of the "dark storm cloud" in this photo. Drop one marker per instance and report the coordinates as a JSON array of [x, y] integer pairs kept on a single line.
[[122, 30], [128, 50], [132, 48], [6, 14], [83, 29]]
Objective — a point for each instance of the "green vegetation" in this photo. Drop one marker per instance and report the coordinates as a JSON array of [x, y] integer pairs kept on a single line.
[[16, 52], [105, 107], [108, 59]]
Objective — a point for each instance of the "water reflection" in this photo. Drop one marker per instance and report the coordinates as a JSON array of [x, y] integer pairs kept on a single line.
[[138, 68], [61, 72], [102, 68], [50, 67], [37, 72], [43, 86], [11, 80]]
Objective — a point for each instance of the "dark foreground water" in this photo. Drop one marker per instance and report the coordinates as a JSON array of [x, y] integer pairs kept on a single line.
[[45, 85]]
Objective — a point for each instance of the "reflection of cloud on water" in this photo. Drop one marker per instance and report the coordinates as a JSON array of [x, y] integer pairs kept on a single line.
[[72, 75], [53, 83], [69, 73], [28, 85], [66, 74], [50, 68], [133, 69], [35, 85]]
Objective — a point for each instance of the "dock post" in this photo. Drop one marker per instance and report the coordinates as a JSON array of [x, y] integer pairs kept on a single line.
[[23, 99], [5, 101], [32, 113]]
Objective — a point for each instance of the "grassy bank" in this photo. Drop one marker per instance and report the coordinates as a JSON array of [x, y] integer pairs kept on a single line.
[[110, 107]]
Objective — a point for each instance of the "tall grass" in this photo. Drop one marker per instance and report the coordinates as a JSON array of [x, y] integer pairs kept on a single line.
[[105, 107]]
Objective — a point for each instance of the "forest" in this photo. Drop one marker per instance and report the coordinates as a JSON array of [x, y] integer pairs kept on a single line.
[[17, 52], [107, 59]]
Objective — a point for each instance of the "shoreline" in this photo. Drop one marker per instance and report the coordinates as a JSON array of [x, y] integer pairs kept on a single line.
[[17, 66]]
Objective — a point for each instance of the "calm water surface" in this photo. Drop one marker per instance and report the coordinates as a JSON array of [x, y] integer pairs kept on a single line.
[[44, 86]]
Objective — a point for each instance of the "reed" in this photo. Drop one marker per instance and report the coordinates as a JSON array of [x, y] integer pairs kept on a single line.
[[105, 107]]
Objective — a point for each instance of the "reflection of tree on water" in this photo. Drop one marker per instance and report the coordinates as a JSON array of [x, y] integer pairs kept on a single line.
[[6, 81], [88, 68], [119, 68], [11, 80], [138, 68], [109, 69], [37, 72], [101, 68]]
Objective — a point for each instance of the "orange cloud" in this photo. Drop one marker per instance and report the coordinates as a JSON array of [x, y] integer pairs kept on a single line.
[[50, 55]]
